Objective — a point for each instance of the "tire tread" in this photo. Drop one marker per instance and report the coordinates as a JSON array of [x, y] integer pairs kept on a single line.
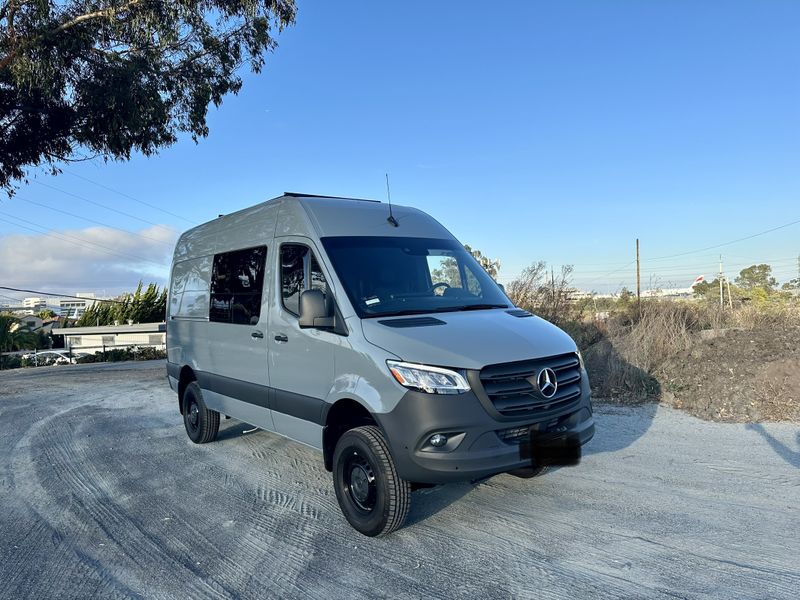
[[399, 499]]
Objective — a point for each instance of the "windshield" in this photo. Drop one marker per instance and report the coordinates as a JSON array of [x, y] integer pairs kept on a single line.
[[386, 276]]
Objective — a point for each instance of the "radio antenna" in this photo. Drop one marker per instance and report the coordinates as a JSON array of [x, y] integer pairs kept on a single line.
[[391, 218]]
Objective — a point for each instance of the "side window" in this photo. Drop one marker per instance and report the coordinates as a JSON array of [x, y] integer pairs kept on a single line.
[[237, 282], [299, 271], [473, 285], [443, 270]]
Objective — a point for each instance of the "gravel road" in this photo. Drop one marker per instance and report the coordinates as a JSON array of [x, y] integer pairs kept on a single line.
[[103, 495]]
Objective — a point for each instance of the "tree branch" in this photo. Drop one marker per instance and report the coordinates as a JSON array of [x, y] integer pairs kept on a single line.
[[109, 12]]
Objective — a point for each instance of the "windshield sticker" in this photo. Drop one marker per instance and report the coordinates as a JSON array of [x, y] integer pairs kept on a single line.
[[371, 301]]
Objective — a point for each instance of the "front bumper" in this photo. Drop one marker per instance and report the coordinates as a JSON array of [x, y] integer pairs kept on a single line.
[[480, 451]]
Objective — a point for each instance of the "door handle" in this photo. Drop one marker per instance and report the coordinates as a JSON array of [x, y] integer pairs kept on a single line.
[[281, 337], [256, 335]]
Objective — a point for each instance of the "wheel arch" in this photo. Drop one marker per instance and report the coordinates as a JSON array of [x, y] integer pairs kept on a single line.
[[185, 378], [342, 415]]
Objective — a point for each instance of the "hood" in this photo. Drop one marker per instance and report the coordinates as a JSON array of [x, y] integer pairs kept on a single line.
[[470, 339]]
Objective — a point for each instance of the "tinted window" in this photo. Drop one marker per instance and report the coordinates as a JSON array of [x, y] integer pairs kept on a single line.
[[237, 280], [397, 275], [299, 271]]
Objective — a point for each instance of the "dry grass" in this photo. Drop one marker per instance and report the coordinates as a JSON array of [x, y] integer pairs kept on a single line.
[[765, 316], [624, 353]]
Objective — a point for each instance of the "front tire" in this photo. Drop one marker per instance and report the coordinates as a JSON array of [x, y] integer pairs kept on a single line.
[[202, 423], [373, 498]]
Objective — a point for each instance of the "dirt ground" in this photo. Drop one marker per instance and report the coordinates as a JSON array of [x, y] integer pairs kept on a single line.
[[737, 376], [103, 495]]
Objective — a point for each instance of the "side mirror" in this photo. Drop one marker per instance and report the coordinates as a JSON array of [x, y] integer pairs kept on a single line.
[[502, 287], [314, 310]]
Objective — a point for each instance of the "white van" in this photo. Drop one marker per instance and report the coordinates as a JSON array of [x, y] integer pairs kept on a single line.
[[373, 337]]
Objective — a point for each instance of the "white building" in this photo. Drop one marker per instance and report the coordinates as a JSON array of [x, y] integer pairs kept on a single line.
[[108, 337], [34, 304], [75, 307]]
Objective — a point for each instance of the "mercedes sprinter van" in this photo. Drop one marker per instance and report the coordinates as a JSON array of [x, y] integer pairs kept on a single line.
[[373, 337]]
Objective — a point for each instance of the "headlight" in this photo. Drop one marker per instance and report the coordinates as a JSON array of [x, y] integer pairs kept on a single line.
[[433, 380]]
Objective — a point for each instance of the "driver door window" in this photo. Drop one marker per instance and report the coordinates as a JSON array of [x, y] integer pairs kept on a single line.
[[300, 271]]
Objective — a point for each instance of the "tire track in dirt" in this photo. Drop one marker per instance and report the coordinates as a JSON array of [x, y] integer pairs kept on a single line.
[[683, 509], [91, 494]]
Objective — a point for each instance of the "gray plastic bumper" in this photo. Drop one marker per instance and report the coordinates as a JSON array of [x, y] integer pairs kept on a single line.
[[475, 450]]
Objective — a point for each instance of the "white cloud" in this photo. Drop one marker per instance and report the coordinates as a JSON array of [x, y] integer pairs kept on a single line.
[[94, 259]]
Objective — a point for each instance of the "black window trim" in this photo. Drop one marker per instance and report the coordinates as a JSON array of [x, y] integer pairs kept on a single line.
[[311, 249], [263, 283]]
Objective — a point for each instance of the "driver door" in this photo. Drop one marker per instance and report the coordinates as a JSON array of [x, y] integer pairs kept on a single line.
[[301, 360]]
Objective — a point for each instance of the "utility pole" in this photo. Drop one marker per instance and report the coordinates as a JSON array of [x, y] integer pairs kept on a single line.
[[721, 303], [730, 298], [638, 276]]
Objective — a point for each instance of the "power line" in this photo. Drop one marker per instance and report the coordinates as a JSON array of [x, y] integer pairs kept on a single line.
[[742, 239], [124, 195], [80, 242], [101, 205], [69, 214], [2, 287]]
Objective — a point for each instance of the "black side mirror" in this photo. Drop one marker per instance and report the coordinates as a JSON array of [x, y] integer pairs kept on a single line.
[[502, 287], [314, 310]]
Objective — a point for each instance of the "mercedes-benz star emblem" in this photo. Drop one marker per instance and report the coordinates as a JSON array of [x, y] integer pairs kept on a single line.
[[547, 382]]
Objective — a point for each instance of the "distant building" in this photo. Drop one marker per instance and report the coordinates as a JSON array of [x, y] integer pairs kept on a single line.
[[95, 339], [75, 307], [34, 305], [31, 322]]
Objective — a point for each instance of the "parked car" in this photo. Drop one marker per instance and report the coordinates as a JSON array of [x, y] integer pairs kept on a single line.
[[369, 333]]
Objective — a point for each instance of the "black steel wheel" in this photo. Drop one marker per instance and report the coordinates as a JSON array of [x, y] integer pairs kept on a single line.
[[202, 423], [373, 498]]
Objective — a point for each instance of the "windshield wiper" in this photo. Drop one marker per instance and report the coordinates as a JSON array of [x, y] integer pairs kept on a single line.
[[440, 309], [472, 307], [400, 313]]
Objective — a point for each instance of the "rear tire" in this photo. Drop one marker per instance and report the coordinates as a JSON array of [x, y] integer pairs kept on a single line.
[[373, 498], [202, 423]]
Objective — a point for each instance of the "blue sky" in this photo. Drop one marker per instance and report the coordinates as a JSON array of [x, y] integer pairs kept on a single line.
[[556, 131]]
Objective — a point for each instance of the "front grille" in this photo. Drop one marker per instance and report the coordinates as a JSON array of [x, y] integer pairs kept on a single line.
[[512, 389]]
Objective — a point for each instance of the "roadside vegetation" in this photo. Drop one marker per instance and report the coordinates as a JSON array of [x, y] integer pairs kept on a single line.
[[144, 305], [736, 361]]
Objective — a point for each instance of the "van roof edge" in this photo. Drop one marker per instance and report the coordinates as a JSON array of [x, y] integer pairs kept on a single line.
[[300, 195]]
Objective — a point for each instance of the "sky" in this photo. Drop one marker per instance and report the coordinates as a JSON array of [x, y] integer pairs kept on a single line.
[[558, 131]]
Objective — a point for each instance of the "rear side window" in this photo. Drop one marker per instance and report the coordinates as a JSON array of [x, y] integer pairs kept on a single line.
[[299, 271], [237, 282]]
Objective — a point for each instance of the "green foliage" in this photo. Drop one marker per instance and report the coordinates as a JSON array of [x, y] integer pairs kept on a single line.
[[492, 267], [148, 306], [110, 77], [792, 284], [13, 337], [757, 276], [123, 354], [46, 314], [448, 271]]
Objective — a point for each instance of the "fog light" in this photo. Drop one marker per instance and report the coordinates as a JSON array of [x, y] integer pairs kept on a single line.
[[438, 440]]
